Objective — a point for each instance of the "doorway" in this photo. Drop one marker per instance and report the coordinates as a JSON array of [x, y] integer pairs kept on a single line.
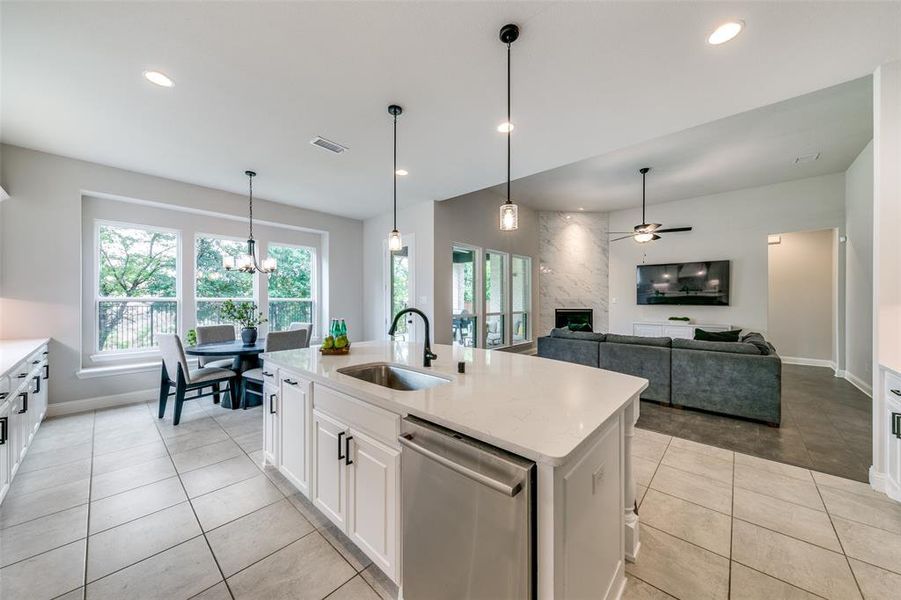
[[400, 288]]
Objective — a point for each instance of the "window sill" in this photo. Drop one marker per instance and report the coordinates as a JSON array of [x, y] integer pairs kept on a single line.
[[112, 371], [129, 357]]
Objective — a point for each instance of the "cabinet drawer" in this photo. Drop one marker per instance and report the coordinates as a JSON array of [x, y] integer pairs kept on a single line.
[[377, 422]]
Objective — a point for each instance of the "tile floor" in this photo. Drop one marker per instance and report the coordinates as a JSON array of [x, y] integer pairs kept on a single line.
[[722, 524], [117, 504], [826, 425]]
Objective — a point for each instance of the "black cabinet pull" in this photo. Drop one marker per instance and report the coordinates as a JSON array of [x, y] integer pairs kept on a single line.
[[4, 425], [45, 353], [340, 435], [272, 409], [24, 397], [896, 424], [21, 375], [347, 460], [47, 371], [35, 362], [37, 384], [896, 392], [267, 374], [290, 381]]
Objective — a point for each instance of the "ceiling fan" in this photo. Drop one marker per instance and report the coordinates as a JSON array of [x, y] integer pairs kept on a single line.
[[646, 232]]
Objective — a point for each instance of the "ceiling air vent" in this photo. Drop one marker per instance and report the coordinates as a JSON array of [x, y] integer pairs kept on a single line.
[[328, 144], [807, 158]]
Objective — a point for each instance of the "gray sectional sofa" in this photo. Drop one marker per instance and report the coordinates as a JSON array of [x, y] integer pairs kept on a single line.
[[742, 379]]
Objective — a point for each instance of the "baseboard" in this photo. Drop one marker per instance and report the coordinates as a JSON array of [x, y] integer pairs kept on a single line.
[[857, 382], [809, 362], [881, 483], [77, 406]]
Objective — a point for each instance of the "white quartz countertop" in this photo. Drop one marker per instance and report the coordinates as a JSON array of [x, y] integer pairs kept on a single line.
[[13, 351], [535, 407]]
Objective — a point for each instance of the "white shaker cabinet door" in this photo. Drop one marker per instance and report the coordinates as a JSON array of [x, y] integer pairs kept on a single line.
[[295, 421], [330, 486]]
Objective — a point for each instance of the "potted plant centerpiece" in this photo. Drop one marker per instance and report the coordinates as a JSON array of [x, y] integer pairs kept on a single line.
[[246, 315]]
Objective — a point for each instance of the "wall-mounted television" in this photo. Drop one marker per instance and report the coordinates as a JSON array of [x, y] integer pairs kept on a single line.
[[703, 283]]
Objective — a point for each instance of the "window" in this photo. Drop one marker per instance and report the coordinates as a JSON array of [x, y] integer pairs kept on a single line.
[[213, 285], [521, 284], [399, 290], [291, 287], [465, 309], [495, 299], [137, 286]]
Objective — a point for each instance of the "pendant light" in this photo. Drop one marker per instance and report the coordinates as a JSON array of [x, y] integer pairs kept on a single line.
[[394, 241], [247, 263], [509, 212]]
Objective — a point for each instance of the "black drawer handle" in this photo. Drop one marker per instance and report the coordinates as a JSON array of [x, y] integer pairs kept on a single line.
[[290, 381], [347, 460], [272, 409], [896, 392], [340, 435], [267, 374], [896, 424], [4, 425], [35, 362], [37, 384], [3, 395], [21, 375], [47, 371], [24, 397]]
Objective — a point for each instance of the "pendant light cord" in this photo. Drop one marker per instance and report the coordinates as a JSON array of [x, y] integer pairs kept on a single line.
[[395, 172], [509, 123], [643, 176], [250, 177]]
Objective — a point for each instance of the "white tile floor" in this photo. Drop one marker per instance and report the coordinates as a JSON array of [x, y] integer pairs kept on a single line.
[[118, 504], [136, 508]]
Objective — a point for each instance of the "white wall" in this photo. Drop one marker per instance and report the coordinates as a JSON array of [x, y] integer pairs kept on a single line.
[[415, 221], [41, 253], [859, 258], [574, 265], [473, 219], [801, 308], [732, 226]]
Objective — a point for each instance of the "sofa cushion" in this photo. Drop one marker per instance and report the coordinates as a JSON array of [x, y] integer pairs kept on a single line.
[[580, 352], [717, 336], [588, 336], [757, 339], [662, 342], [579, 327], [730, 347]]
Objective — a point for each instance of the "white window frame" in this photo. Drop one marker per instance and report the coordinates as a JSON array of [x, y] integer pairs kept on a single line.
[[179, 304], [527, 309], [314, 284], [478, 293], [254, 279], [408, 240], [505, 308]]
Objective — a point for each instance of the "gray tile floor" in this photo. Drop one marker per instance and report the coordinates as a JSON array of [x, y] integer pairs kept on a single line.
[[826, 425], [718, 524], [118, 504]]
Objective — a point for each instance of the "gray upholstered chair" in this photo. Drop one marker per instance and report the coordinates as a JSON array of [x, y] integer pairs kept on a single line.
[[291, 339], [212, 334], [306, 327], [175, 372]]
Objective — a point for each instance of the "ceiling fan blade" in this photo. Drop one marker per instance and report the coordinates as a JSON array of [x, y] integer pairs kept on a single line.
[[672, 230], [621, 233], [625, 237]]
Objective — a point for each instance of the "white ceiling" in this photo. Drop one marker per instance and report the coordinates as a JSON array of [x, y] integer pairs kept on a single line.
[[256, 81], [754, 148]]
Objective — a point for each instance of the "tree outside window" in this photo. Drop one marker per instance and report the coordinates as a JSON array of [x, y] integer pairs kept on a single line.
[[213, 285], [291, 286], [137, 286]]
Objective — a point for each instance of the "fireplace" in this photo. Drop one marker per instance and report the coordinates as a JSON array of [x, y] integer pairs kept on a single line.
[[564, 317]]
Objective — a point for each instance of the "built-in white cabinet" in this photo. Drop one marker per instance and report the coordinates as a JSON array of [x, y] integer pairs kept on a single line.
[[23, 405], [296, 422], [892, 395], [330, 487], [673, 329], [271, 417]]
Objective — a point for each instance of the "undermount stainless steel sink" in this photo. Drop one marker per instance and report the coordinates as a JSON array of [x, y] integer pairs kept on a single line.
[[395, 377]]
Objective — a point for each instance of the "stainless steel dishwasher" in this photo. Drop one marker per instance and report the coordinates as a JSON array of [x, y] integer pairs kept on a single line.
[[468, 517]]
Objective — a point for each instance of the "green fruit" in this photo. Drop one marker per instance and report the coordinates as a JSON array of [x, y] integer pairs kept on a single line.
[[341, 342], [328, 343]]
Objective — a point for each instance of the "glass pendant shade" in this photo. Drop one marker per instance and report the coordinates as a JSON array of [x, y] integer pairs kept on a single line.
[[394, 241], [269, 264], [509, 217], [245, 262], [228, 262]]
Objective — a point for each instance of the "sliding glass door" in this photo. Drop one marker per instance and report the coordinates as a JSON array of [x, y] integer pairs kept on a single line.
[[521, 282], [465, 303], [495, 299]]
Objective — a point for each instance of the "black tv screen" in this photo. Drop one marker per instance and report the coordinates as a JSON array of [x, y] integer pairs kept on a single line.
[[694, 283]]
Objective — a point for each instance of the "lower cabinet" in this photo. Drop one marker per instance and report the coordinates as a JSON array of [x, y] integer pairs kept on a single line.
[[296, 414], [6, 462], [331, 462], [271, 423], [893, 447]]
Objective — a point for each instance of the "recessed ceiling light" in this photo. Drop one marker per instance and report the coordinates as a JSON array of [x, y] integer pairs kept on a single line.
[[725, 32], [157, 78], [402, 172], [505, 127], [580, 208]]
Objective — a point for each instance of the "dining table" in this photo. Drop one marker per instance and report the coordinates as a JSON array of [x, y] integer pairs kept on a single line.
[[244, 357]]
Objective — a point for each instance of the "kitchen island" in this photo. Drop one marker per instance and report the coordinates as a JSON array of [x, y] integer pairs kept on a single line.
[[336, 438]]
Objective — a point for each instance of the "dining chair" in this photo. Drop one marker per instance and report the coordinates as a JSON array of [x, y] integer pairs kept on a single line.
[[291, 339], [211, 334], [306, 327], [175, 372]]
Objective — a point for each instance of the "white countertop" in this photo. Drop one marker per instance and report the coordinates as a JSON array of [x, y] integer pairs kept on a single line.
[[13, 351], [535, 407]]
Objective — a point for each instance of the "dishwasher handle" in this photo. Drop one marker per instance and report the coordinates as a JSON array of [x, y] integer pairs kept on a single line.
[[406, 440]]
